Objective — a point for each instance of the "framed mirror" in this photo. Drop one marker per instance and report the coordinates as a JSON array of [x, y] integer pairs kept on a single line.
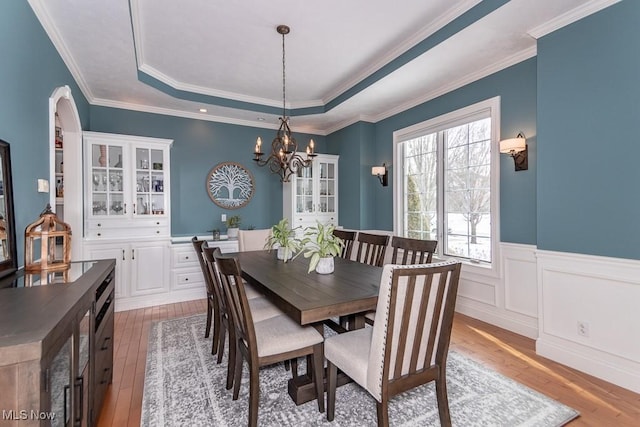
[[8, 259]]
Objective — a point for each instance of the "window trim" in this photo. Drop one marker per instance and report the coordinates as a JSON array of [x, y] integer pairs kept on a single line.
[[437, 124]]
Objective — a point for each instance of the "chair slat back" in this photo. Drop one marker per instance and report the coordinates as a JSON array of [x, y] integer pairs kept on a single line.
[[412, 251], [198, 246], [412, 328], [348, 237], [371, 248], [237, 303], [252, 240], [208, 255]]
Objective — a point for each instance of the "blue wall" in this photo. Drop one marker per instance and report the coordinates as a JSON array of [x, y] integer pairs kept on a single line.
[[588, 114], [356, 146], [516, 86], [31, 70], [197, 147]]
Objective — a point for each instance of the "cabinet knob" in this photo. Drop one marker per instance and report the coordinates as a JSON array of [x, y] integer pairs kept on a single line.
[[157, 231], [158, 223], [99, 225], [186, 279], [99, 234], [187, 257]]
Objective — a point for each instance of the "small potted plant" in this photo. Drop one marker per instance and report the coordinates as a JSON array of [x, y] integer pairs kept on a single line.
[[233, 225], [321, 245], [284, 238]]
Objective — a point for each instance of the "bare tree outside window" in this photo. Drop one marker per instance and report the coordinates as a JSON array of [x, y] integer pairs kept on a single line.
[[464, 154]]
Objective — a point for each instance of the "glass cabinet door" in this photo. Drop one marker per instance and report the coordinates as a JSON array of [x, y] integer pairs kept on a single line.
[[327, 187], [107, 181], [60, 385], [304, 190], [149, 183]]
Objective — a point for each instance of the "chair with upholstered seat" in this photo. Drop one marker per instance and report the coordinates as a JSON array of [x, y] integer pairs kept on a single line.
[[348, 237], [412, 251], [372, 248], [261, 309], [408, 343], [252, 240], [267, 342], [211, 302]]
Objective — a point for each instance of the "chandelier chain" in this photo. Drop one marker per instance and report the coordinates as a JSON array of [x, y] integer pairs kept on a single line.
[[283, 80]]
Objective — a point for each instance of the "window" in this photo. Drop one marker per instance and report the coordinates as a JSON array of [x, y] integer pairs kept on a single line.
[[446, 183]]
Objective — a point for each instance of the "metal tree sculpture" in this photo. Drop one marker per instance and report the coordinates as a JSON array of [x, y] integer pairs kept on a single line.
[[230, 185]]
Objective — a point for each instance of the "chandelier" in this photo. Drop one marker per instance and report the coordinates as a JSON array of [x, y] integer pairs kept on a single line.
[[284, 158]]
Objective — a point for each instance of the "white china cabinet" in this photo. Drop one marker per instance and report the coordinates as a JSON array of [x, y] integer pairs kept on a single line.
[[312, 193]]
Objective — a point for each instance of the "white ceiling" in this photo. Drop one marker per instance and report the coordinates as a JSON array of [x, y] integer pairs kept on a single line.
[[231, 50]]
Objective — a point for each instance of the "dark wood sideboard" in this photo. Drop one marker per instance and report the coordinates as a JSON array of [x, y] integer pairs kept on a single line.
[[56, 345]]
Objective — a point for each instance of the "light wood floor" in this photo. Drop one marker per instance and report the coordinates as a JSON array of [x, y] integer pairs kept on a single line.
[[599, 403]]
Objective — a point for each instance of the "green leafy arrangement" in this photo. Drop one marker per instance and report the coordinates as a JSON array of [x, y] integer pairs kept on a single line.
[[285, 237], [320, 242], [233, 221]]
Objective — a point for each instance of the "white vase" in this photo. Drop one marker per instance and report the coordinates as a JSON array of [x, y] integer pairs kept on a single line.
[[325, 266], [232, 232], [281, 252]]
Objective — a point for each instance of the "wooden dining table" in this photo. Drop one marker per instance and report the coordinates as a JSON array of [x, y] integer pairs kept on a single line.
[[312, 298]]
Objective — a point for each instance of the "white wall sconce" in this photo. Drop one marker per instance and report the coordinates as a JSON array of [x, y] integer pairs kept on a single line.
[[382, 174], [517, 148]]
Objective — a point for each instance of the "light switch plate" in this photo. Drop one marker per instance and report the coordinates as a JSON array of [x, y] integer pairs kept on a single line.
[[43, 186], [223, 217]]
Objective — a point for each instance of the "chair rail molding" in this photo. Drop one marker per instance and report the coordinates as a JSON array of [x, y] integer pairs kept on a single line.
[[588, 314]]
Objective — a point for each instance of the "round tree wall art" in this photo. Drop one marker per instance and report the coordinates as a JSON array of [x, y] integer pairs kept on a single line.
[[230, 185]]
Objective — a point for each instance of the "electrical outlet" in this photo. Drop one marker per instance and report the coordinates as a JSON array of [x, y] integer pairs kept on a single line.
[[43, 185], [223, 217], [583, 328]]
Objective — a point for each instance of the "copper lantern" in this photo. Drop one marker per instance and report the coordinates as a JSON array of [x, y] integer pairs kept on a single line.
[[52, 237]]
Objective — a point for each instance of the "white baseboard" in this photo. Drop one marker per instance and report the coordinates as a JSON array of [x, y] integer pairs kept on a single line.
[[498, 317], [132, 303], [610, 368]]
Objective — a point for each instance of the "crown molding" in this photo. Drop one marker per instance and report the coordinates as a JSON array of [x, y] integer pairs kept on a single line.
[[392, 54], [197, 116], [348, 122], [45, 20], [469, 78], [570, 17]]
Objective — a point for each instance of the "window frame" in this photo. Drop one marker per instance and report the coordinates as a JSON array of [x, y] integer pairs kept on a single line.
[[437, 124]]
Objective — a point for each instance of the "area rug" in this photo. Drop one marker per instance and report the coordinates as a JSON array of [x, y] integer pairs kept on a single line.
[[185, 387]]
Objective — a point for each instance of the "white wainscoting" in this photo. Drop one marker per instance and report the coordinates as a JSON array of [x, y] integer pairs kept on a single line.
[[508, 301], [602, 294]]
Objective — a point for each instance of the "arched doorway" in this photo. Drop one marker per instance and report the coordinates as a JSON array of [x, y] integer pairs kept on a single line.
[[63, 110]]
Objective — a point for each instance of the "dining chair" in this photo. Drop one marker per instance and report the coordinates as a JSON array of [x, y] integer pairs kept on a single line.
[[266, 342], [252, 240], [348, 237], [408, 343], [372, 248], [261, 309], [211, 303], [412, 251], [408, 251]]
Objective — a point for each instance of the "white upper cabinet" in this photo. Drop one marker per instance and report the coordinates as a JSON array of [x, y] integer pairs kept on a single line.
[[127, 186]]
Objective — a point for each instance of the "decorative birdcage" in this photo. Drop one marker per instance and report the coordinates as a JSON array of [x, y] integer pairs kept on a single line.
[[47, 243]]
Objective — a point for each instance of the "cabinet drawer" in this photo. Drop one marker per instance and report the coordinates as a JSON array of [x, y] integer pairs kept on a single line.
[[188, 279], [184, 256], [110, 229]]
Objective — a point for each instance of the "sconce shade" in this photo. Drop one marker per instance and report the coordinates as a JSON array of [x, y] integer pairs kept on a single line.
[[53, 239], [516, 148], [513, 145], [378, 170]]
